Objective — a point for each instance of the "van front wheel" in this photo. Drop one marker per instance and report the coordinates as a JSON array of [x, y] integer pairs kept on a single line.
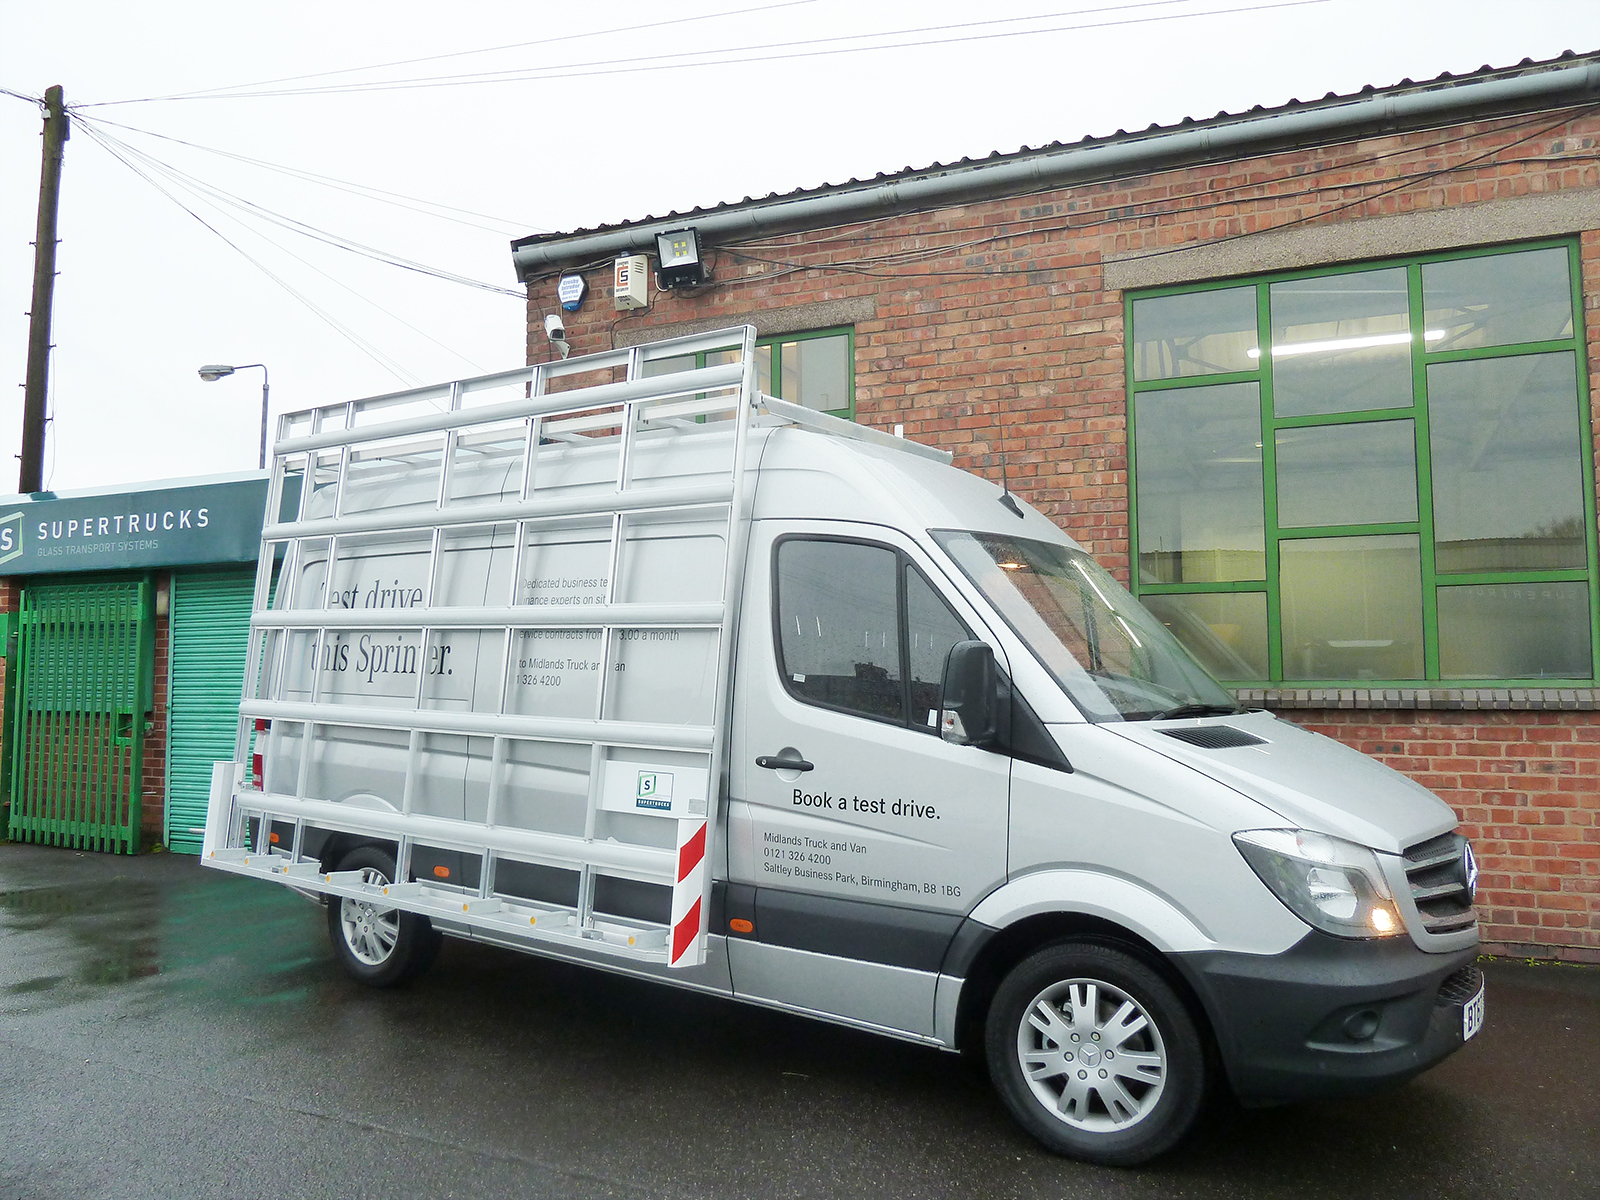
[[380, 947], [1095, 1054]]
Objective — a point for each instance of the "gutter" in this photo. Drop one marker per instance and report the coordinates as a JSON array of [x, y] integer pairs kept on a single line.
[[1389, 113]]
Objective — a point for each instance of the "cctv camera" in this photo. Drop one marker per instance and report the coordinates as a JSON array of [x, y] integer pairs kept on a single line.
[[554, 329]]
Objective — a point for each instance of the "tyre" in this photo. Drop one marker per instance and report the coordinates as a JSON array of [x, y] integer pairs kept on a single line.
[[379, 947], [1095, 1054]]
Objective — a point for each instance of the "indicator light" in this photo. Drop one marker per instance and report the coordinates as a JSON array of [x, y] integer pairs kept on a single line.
[[442, 872], [740, 925]]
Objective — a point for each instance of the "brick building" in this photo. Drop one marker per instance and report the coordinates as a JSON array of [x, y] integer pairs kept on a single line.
[[1314, 381]]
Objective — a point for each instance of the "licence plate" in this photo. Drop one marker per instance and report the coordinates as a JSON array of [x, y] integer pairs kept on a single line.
[[1472, 1016]]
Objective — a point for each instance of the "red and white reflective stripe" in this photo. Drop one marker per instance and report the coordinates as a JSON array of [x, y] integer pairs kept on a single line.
[[688, 896]]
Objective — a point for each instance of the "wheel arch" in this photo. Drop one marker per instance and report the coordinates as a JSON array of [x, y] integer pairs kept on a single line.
[[1006, 947]]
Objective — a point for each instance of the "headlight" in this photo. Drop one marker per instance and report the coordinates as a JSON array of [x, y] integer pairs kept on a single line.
[[1331, 885]]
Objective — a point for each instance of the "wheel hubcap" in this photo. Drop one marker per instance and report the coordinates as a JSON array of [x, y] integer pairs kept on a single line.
[[369, 932], [1091, 1055]]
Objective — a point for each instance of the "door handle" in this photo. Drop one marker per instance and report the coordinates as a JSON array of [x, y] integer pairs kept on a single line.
[[787, 759]]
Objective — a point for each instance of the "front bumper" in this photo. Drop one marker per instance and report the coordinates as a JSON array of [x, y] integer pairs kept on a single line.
[[1331, 1017]]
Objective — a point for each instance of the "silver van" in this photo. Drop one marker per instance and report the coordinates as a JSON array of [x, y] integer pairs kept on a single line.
[[619, 661]]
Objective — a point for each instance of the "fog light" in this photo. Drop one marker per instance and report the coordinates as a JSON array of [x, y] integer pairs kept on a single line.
[[1383, 920], [1361, 1026]]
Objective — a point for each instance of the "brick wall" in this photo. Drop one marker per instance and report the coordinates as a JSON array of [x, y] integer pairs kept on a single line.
[[993, 332], [1525, 785], [1008, 342]]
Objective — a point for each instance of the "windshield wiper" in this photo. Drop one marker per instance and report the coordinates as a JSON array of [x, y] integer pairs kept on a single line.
[[1200, 710]]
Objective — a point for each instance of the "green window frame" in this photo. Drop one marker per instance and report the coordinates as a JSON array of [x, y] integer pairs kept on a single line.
[[1158, 372], [780, 363]]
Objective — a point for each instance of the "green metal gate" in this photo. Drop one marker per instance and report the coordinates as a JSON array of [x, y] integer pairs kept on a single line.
[[83, 685], [210, 642]]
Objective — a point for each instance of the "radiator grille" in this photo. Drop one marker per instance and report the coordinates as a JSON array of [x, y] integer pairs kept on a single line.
[[1437, 872], [1459, 986]]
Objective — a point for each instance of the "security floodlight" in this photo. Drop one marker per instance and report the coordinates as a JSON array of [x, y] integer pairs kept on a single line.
[[212, 372], [678, 253]]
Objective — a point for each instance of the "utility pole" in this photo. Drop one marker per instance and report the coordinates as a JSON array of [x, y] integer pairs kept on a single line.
[[44, 285]]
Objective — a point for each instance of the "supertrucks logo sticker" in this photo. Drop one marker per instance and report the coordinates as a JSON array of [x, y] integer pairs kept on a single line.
[[654, 791], [10, 537]]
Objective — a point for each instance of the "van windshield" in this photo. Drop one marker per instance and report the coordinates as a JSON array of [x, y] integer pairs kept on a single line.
[[1116, 661]]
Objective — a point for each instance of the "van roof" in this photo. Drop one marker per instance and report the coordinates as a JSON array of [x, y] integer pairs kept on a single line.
[[809, 475]]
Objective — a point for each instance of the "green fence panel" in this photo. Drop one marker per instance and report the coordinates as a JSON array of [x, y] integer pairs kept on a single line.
[[83, 664]]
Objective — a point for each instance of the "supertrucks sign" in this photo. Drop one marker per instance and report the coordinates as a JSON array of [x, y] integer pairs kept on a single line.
[[210, 523]]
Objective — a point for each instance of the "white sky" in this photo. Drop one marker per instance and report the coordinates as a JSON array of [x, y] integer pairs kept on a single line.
[[146, 294]]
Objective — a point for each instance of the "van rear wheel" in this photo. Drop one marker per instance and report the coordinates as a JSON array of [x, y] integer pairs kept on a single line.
[[1095, 1054], [379, 947]]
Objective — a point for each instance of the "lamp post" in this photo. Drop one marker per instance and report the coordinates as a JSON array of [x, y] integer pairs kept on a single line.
[[212, 372]]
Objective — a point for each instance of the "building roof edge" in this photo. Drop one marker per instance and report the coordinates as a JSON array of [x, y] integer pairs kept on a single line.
[[1561, 82]]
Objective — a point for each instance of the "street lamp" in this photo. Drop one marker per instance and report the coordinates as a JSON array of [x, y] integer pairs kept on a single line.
[[212, 372]]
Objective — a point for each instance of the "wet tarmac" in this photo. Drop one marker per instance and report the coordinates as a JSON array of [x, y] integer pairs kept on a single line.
[[171, 1032]]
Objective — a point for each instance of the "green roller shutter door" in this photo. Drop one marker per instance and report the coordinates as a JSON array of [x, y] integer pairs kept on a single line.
[[210, 638]]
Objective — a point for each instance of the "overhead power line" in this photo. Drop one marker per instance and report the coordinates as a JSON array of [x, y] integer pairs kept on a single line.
[[769, 52], [301, 227], [549, 41], [367, 191], [366, 347]]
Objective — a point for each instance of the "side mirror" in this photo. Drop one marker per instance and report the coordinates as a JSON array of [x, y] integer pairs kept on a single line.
[[970, 710]]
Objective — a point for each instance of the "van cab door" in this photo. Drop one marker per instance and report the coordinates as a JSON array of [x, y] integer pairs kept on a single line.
[[858, 839]]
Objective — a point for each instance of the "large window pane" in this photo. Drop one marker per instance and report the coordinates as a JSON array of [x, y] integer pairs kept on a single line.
[[1200, 491], [1507, 464], [671, 366], [838, 626], [816, 373], [1351, 607], [1225, 631], [717, 358], [1515, 631], [1341, 343], [1362, 474], [1198, 333], [1497, 300]]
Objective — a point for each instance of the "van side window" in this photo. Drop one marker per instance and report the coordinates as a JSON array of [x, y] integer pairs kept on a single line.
[[839, 628], [862, 630], [931, 629]]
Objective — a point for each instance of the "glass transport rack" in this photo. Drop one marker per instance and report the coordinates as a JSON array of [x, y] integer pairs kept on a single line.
[[500, 645]]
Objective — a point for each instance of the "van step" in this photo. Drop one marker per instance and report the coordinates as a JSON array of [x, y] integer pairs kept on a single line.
[[507, 919]]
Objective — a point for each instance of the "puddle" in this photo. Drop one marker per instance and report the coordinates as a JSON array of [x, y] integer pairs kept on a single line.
[[113, 942], [43, 984]]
